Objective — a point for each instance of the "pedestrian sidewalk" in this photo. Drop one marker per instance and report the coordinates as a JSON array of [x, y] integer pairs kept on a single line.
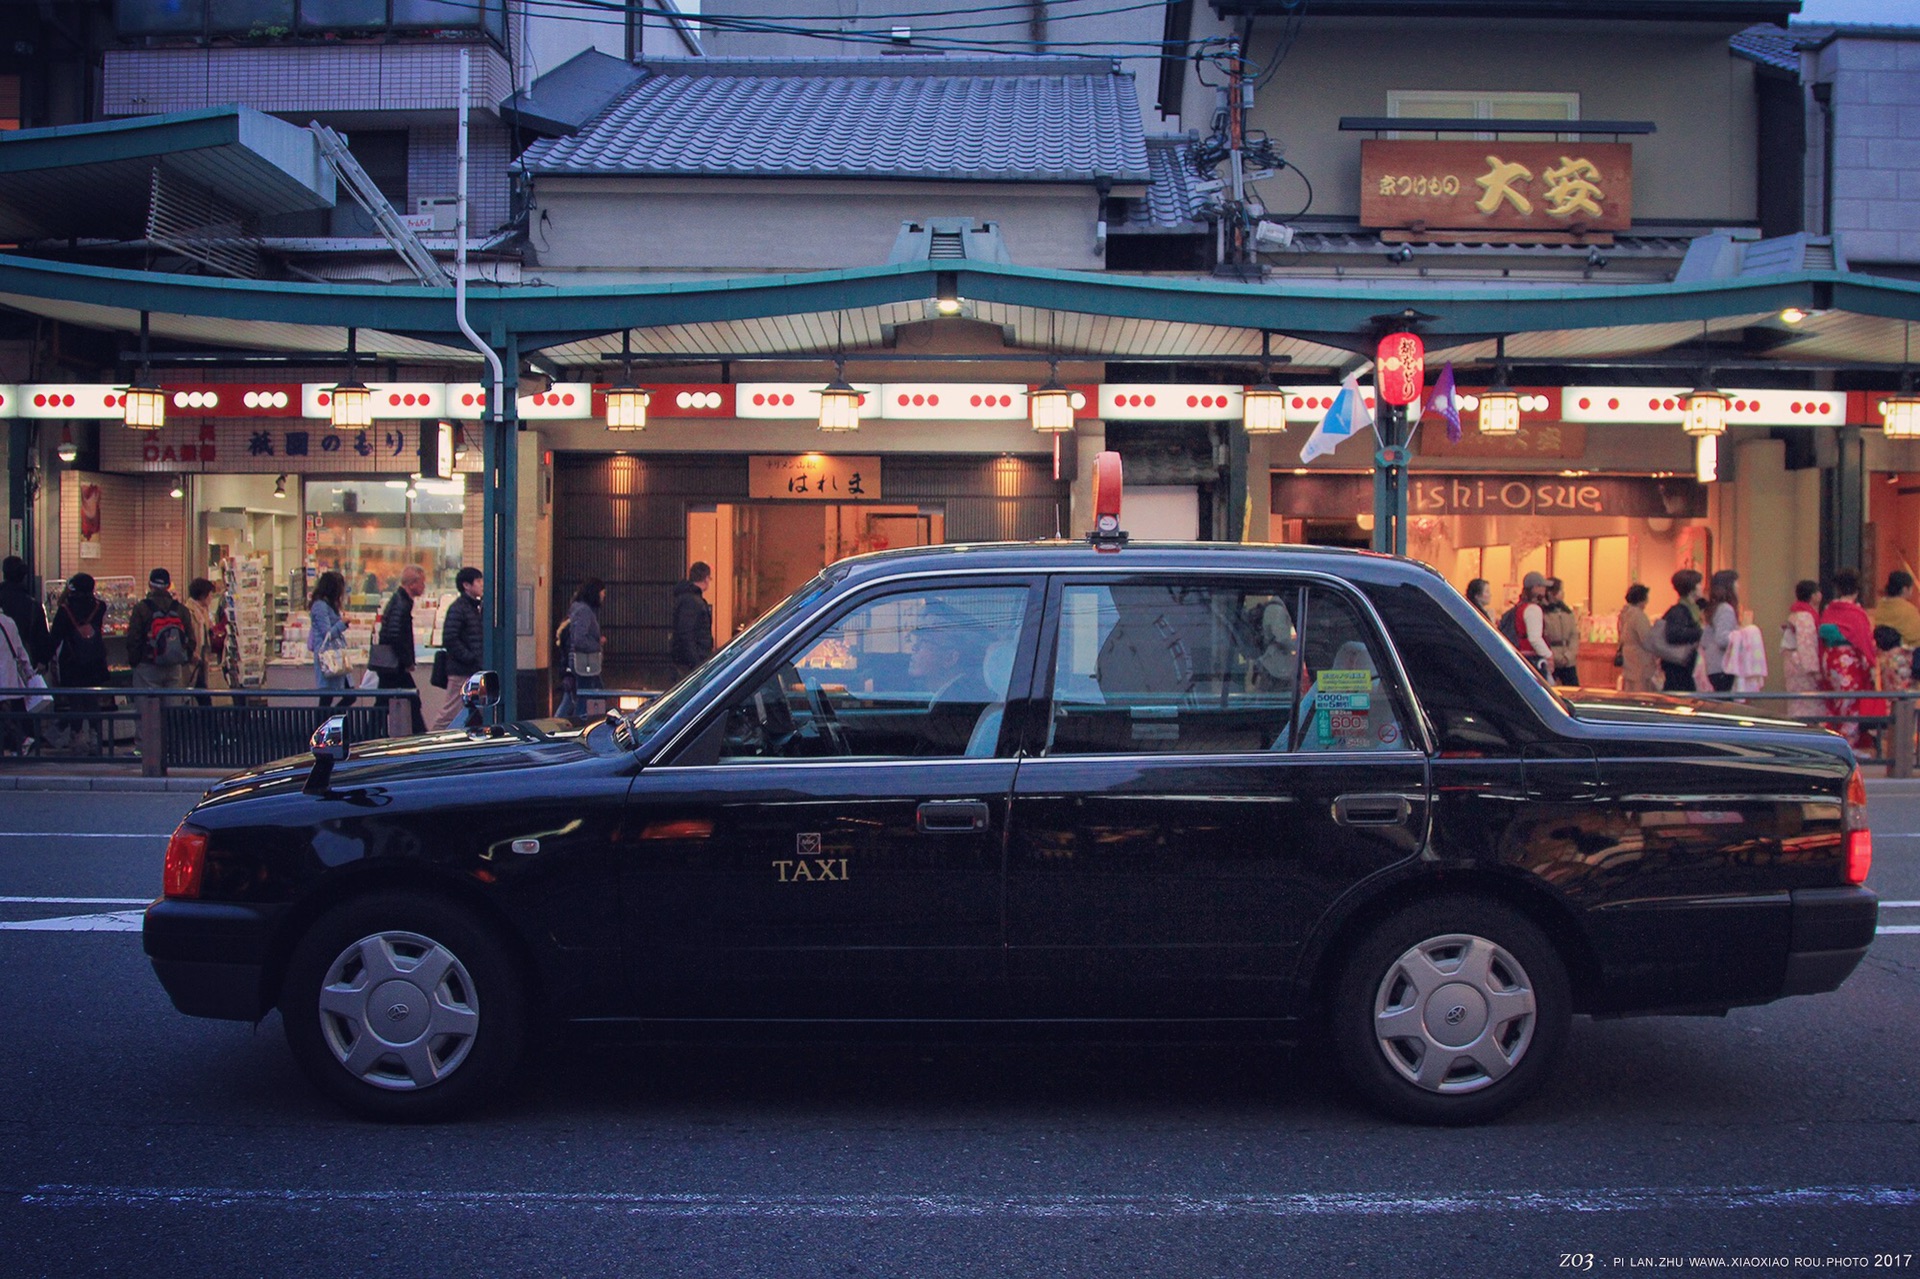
[[187, 780]]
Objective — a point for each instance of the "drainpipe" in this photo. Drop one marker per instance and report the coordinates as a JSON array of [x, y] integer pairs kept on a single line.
[[496, 447], [1823, 94], [460, 252]]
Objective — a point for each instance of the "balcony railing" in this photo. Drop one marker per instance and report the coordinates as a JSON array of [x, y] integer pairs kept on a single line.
[[305, 19]]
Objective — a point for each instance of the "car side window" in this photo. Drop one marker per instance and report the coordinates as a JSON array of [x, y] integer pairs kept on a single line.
[[1344, 705], [919, 673], [1175, 667]]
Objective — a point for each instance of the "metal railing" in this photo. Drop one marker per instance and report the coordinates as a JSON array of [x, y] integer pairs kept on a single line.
[[1893, 733], [158, 728]]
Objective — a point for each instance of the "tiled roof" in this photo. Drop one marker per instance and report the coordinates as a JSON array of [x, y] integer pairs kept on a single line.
[[1772, 46], [1171, 204], [995, 119]]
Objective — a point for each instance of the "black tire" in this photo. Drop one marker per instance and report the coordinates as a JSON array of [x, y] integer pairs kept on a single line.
[[435, 1051], [1473, 1051]]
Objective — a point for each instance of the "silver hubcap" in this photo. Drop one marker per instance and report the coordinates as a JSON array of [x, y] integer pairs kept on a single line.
[[1454, 1014], [399, 1010]]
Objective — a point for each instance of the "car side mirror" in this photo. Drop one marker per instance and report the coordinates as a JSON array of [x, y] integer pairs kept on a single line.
[[329, 742], [482, 690]]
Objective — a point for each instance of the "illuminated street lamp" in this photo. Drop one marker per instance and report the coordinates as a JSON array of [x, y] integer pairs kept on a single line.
[[839, 401], [627, 403], [1050, 405]]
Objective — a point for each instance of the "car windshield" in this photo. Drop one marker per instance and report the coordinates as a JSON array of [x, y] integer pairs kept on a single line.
[[643, 723]]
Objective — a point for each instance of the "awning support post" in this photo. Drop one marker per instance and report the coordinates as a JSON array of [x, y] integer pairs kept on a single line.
[[1390, 483]]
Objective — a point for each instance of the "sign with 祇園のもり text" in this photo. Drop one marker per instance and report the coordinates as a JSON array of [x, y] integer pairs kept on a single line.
[[1509, 186]]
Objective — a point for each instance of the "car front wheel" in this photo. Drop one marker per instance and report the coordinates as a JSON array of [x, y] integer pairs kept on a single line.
[[1451, 1011], [403, 1007]]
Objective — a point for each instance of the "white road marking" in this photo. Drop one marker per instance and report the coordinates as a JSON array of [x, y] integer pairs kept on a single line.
[[1886, 929], [77, 901], [696, 1205], [119, 921], [1900, 905]]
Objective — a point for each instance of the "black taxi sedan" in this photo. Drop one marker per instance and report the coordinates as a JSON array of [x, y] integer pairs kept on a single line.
[[1279, 790]]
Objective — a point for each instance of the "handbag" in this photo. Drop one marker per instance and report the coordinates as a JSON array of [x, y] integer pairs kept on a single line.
[[439, 676], [34, 678], [381, 657], [333, 661], [587, 665]]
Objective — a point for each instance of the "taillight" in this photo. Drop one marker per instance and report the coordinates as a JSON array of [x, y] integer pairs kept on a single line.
[[1858, 842], [186, 859]]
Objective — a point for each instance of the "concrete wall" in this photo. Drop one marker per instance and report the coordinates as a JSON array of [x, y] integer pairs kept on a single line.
[[544, 38], [793, 225], [1700, 165], [1876, 148], [1771, 535]]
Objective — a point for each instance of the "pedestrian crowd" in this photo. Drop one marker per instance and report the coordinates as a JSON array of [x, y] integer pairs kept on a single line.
[[1829, 643]]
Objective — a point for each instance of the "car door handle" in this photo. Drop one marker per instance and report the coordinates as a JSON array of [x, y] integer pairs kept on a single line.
[[1371, 810], [951, 816]]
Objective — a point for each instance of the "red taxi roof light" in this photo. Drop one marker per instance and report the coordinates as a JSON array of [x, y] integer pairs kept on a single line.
[[186, 860]]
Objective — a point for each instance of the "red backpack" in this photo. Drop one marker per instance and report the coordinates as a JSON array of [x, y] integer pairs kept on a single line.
[[167, 640]]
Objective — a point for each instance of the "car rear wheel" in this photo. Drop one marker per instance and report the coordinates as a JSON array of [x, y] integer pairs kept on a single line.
[[404, 1007], [1451, 1011]]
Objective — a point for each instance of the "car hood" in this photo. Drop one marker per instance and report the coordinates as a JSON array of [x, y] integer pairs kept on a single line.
[[383, 762], [1611, 707]]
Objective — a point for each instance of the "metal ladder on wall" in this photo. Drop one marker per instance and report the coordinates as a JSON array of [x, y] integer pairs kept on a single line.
[[369, 197]]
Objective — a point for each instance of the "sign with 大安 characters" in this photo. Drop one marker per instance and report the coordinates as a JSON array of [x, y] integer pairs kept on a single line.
[[1507, 186]]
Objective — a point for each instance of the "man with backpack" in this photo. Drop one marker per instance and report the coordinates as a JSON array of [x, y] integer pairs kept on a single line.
[[1524, 625], [159, 644]]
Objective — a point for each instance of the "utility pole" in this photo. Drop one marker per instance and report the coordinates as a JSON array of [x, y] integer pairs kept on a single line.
[[1237, 95]]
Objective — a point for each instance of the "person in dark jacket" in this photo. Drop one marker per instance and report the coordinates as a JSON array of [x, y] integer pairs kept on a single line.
[[692, 620], [79, 635], [462, 634], [1678, 635], [159, 637], [18, 603], [581, 655], [396, 638]]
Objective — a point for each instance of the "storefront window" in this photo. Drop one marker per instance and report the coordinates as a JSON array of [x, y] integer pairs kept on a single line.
[[369, 530]]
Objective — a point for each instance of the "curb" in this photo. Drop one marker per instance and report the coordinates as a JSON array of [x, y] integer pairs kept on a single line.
[[177, 784]]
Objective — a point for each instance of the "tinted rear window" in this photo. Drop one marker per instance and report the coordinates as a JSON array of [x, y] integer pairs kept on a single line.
[[1470, 699]]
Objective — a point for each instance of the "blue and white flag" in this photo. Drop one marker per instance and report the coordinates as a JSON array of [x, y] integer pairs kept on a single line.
[[1348, 416], [1446, 402]]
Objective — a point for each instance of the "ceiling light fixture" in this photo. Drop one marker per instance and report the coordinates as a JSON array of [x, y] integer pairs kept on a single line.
[[1500, 403], [350, 407], [627, 403], [1900, 412], [143, 403], [1263, 406]]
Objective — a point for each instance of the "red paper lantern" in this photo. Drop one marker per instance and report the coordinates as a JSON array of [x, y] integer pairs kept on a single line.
[[1400, 368]]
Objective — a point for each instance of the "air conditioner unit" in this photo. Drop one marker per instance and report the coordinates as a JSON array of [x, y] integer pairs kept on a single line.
[[441, 208]]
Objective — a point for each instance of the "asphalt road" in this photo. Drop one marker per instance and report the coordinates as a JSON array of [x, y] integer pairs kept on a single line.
[[133, 1139]]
